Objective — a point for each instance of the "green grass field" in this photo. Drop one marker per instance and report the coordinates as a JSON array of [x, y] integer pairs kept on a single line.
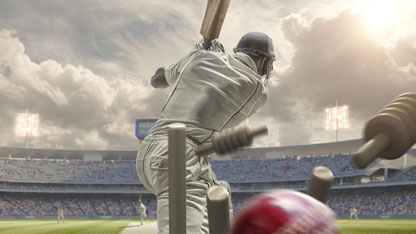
[[116, 226], [382, 226], [70, 226]]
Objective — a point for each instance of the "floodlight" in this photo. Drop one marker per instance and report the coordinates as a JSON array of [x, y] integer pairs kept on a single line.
[[27, 125], [337, 118]]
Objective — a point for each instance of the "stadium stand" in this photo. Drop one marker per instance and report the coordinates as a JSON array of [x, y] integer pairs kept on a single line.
[[51, 170], [396, 200], [242, 170], [369, 201], [27, 204], [245, 170], [38, 186]]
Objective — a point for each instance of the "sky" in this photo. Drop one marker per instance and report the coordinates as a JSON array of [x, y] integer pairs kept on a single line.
[[85, 66]]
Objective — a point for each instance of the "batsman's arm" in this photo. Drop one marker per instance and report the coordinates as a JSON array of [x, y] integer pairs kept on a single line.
[[167, 76], [158, 80]]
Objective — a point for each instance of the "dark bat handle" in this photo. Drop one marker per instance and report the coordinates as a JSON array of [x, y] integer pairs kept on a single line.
[[206, 44]]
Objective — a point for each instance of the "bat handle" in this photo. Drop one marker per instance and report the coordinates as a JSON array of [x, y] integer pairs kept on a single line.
[[262, 130], [206, 44], [204, 148], [370, 150]]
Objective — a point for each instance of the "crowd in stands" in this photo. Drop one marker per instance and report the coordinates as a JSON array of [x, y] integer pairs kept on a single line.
[[245, 176], [52, 170], [392, 200], [375, 201], [403, 175], [118, 177], [289, 168], [32, 204], [17, 186]]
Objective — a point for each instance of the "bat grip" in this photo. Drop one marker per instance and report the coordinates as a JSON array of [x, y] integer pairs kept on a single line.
[[204, 148], [206, 44], [262, 130]]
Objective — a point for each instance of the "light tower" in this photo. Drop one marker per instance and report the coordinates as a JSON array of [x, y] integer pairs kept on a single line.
[[337, 118], [27, 125]]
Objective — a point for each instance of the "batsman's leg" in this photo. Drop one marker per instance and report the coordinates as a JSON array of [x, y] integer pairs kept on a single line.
[[196, 209], [152, 168]]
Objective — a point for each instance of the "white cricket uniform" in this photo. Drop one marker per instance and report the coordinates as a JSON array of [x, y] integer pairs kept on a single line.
[[142, 210], [61, 215], [353, 211], [210, 91]]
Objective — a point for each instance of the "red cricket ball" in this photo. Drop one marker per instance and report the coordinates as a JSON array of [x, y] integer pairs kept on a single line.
[[284, 212]]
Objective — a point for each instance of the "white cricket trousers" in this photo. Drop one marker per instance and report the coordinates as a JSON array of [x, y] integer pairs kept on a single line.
[[152, 169], [142, 216], [61, 217]]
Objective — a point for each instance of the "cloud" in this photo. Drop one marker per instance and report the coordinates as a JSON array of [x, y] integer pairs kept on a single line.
[[85, 65], [336, 59], [130, 36], [78, 108], [404, 51]]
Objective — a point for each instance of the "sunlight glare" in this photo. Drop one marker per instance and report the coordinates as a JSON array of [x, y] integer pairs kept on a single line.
[[379, 15]]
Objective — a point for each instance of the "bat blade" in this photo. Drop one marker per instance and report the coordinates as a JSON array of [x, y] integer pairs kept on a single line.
[[214, 18]]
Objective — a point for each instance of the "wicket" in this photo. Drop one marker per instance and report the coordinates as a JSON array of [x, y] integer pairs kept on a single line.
[[218, 210], [217, 196], [177, 179], [320, 183]]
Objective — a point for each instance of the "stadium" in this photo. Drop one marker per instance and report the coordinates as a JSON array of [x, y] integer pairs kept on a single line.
[[75, 75], [102, 186]]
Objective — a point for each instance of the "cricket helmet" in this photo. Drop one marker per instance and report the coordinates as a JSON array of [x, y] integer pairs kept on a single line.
[[258, 44]]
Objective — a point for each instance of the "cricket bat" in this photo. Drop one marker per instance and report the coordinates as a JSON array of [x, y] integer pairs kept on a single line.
[[213, 20]]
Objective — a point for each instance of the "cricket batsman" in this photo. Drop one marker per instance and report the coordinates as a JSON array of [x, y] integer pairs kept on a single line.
[[142, 210], [353, 211], [61, 215], [210, 91]]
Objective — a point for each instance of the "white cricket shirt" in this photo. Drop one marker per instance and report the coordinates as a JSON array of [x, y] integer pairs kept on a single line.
[[211, 91]]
